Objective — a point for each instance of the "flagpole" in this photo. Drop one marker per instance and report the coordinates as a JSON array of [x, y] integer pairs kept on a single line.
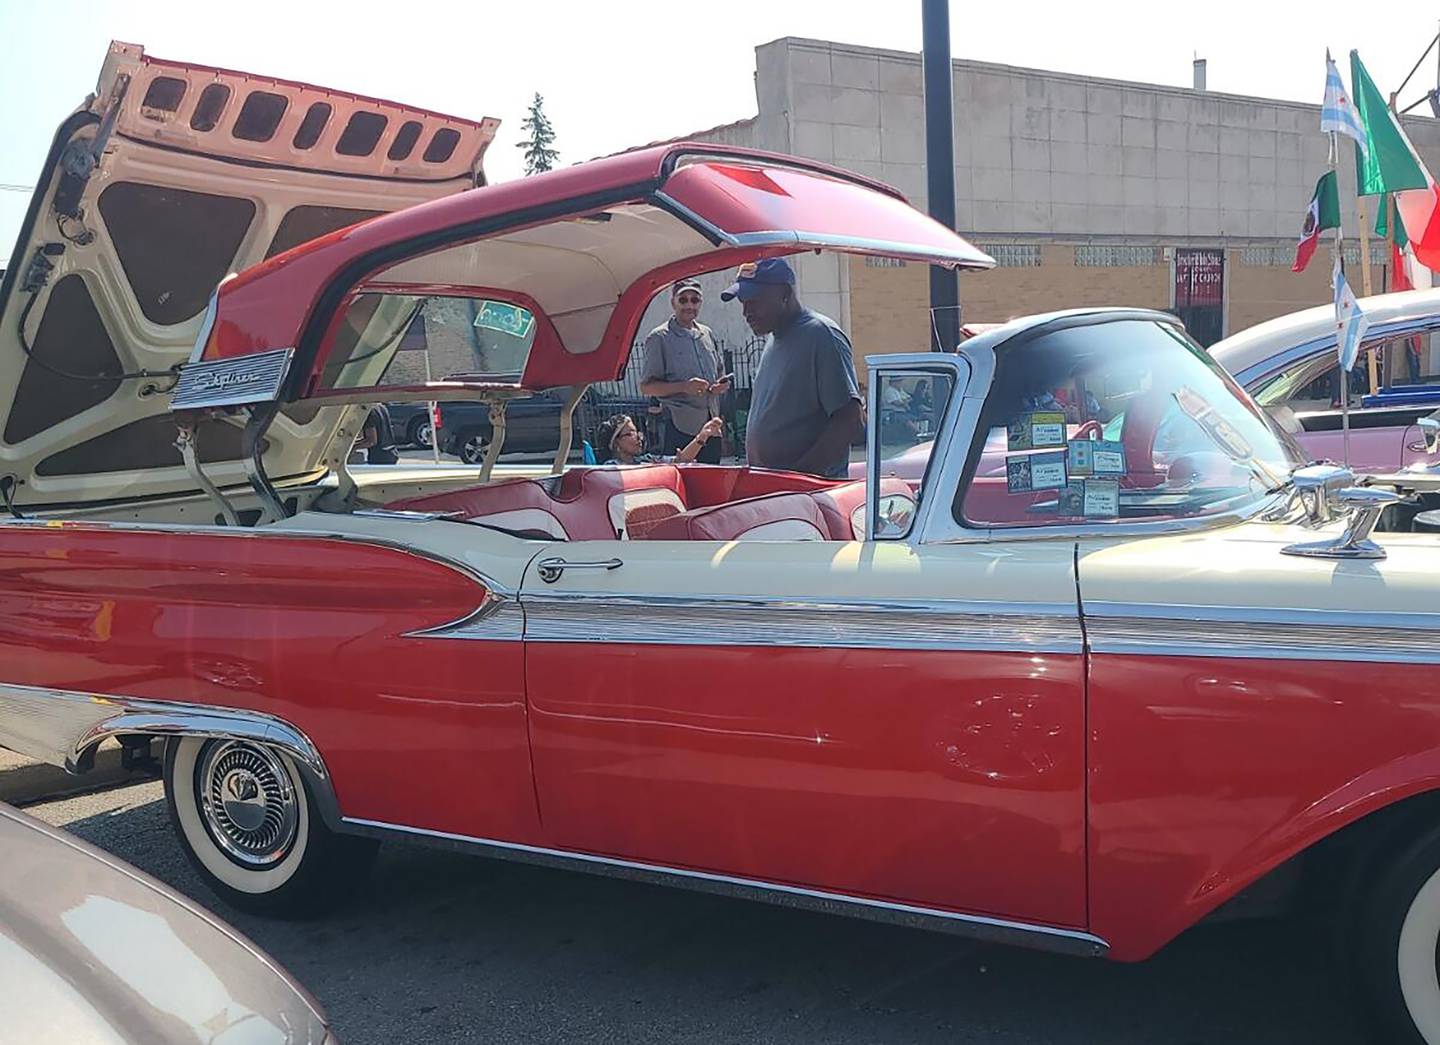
[[1338, 264]]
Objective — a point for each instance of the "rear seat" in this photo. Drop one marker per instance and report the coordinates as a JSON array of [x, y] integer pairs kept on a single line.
[[648, 502], [593, 504], [774, 517]]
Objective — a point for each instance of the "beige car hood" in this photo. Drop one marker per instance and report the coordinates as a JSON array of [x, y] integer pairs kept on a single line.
[[169, 178], [92, 950]]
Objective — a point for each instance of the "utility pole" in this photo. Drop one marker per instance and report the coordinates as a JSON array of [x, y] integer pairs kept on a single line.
[[940, 167]]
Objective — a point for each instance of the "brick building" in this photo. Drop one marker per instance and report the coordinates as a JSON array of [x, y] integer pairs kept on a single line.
[[1086, 191]]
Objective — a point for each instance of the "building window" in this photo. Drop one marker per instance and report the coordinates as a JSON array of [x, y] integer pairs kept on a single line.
[[1267, 257], [1013, 255], [1097, 256], [1379, 253], [884, 263]]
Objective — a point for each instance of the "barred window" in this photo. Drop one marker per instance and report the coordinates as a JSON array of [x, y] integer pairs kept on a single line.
[[1013, 255], [1267, 257], [1096, 256], [1379, 253]]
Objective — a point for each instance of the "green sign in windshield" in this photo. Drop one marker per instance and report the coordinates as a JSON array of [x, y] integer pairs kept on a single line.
[[505, 318]]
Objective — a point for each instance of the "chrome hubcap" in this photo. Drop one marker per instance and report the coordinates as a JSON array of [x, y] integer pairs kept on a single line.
[[249, 804]]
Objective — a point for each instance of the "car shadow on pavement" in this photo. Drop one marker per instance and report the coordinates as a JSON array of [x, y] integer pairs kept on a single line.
[[442, 947]]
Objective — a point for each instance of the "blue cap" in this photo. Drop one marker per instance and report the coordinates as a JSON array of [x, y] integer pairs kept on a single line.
[[770, 272]]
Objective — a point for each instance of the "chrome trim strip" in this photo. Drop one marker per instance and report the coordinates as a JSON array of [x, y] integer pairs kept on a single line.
[[999, 930], [63, 727], [802, 240], [721, 620], [707, 228], [1243, 632], [239, 381], [497, 618]]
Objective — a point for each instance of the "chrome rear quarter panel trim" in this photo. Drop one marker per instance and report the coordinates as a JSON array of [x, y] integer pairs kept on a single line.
[[997, 930], [61, 727]]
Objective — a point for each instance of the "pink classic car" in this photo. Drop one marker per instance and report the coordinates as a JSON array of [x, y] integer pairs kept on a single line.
[[1291, 366], [1079, 687]]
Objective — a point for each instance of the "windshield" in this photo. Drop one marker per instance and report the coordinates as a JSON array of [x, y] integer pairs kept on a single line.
[[1125, 419]]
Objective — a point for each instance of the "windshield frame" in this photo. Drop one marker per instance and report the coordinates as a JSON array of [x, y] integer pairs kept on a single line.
[[964, 447]]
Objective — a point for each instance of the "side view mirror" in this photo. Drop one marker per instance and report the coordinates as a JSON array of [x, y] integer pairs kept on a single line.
[[1318, 486], [1365, 503], [1430, 431]]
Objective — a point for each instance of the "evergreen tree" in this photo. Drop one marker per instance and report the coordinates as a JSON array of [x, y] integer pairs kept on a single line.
[[540, 153]]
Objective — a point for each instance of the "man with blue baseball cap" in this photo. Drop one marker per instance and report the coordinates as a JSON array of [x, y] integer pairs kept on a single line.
[[804, 399]]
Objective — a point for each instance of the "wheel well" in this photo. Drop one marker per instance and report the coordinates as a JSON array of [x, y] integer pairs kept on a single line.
[[1326, 875]]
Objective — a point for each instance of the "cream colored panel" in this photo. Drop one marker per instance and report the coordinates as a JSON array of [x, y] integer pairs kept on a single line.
[[819, 593], [1242, 566], [497, 558]]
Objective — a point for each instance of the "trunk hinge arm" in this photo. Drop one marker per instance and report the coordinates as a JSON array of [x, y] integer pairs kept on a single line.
[[185, 442], [497, 439], [252, 443], [567, 428]]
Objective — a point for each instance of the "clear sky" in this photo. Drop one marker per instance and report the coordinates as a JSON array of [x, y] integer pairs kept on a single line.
[[617, 73]]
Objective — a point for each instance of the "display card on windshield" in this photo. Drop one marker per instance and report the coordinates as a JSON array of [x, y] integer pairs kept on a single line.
[[1035, 472], [1096, 457], [1036, 431]]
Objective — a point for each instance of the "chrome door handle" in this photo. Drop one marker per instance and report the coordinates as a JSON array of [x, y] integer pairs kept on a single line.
[[551, 569]]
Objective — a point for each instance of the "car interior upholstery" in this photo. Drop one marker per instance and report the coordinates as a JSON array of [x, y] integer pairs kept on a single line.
[[663, 502]]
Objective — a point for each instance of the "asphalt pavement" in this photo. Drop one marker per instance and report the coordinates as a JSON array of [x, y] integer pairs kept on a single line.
[[442, 947]]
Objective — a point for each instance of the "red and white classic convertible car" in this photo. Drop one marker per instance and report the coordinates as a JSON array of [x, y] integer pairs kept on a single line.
[[1117, 659]]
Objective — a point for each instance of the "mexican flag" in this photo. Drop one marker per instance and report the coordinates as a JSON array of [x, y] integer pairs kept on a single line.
[[1323, 213], [1392, 165]]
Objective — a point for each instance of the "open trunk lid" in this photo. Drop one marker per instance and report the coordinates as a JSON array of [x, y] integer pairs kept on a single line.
[[169, 178]]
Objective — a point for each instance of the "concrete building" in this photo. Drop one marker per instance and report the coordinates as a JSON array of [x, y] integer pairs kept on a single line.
[[1086, 191]]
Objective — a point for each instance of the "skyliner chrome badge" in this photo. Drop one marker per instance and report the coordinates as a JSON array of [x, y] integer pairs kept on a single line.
[[232, 382]]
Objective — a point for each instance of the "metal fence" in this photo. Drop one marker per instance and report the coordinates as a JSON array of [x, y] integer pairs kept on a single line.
[[741, 359], [623, 396]]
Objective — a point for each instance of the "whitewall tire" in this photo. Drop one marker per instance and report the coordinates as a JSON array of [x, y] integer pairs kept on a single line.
[[1397, 947], [249, 825]]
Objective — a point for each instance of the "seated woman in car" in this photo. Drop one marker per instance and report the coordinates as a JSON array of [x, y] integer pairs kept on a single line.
[[618, 441]]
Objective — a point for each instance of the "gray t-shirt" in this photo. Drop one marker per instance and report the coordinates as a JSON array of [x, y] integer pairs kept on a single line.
[[675, 353], [806, 373]]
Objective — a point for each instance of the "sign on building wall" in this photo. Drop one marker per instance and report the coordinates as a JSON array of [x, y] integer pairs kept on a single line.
[[1200, 292]]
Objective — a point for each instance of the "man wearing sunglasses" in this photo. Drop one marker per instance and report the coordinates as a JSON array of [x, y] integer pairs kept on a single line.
[[681, 366]]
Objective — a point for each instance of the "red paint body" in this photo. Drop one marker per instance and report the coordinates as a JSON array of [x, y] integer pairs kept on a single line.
[[954, 780], [1208, 772], [941, 779], [308, 629]]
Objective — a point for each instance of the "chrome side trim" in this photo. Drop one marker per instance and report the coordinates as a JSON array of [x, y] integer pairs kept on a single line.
[[704, 226], [1241, 632], [998, 930], [62, 727], [834, 623], [800, 240], [497, 619], [232, 382]]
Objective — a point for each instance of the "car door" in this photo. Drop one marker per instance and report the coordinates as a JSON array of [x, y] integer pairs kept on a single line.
[[872, 719]]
